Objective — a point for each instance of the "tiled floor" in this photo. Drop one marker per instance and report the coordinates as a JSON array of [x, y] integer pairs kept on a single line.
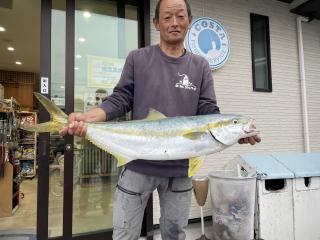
[[17, 235], [17, 227], [193, 231]]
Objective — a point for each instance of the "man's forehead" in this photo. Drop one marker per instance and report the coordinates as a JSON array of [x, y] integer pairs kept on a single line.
[[168, 6]]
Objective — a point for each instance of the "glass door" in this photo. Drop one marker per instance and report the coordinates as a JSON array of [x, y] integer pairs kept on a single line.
[[88, 42], [102, 40]]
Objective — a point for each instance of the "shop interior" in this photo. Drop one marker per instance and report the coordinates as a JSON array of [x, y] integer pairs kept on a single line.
[[95, 171], [19, 71]]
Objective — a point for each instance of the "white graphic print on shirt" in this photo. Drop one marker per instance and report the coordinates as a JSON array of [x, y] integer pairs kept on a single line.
[[185, 83]]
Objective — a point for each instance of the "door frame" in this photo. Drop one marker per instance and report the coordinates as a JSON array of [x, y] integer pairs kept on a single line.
[[143, 7]]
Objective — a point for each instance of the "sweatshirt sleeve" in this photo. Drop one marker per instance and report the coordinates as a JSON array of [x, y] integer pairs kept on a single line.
[[207, 100], [121, 100]]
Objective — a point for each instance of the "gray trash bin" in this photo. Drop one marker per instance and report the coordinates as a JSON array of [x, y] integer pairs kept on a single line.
[[232, 198]]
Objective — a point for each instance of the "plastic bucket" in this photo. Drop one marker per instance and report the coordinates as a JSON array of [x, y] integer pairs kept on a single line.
[[233, 199]]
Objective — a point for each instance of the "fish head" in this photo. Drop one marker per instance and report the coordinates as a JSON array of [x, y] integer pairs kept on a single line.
[[230, 129]]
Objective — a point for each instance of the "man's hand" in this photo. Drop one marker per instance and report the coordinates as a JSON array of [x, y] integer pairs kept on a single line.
[[76, 122], [252, 140], [75, 126]]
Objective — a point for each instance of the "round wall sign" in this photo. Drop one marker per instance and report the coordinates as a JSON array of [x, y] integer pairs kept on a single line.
[[207, 37]]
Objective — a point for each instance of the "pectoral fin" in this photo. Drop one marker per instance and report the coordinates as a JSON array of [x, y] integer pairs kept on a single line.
[[194, 135], [194, 165]]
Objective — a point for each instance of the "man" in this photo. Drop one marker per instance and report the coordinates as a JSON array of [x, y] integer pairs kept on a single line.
[[172, 81]]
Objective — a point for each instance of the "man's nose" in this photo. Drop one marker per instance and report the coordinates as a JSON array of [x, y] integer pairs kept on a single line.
[[174, 21]]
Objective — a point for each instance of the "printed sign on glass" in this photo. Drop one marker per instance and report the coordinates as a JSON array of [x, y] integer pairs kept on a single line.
[[104, 71]]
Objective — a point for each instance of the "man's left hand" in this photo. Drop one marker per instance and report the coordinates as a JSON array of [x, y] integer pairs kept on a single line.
[[252, 140]]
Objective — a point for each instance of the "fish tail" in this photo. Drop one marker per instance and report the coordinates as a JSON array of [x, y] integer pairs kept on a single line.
[[43, 127], [58, 118]]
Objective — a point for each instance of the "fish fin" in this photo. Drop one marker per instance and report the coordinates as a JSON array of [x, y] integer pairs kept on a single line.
[[59, 118], [53, 110], [121, 160], [194, 165], [154, 115], [51, 126], [193, 135]]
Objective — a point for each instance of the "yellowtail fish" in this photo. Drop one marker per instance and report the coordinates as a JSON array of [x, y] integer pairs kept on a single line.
[[157, 137]]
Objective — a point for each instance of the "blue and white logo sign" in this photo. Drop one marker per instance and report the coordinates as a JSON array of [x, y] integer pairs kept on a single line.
[[207, 37]]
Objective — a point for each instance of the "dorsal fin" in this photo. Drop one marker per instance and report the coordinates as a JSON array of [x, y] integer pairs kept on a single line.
[[154, 115]]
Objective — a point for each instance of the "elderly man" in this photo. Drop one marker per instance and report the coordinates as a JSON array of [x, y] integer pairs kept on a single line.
[[158, 77]]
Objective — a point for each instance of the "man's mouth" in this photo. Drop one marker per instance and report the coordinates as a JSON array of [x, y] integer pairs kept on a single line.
[[175, 31]]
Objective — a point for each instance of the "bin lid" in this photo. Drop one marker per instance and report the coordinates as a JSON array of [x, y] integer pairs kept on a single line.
[[301, 164], [267, 166]]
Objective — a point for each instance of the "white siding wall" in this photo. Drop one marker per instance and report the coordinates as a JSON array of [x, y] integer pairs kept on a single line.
[[277, 114], [311, 41]]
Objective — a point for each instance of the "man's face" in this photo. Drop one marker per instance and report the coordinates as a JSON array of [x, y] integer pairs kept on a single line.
[[173, 21]]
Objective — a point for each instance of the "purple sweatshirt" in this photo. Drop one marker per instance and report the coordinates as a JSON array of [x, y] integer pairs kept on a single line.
[[180, 86]]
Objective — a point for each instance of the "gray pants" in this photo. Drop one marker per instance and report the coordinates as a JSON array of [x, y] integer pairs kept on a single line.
[[132, 194]]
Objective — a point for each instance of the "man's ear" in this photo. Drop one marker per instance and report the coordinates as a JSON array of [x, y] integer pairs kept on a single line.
[[190, 20], [156, 24]]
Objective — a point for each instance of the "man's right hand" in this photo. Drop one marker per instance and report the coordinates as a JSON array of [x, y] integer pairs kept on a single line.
[[76, 122], [76, 125]]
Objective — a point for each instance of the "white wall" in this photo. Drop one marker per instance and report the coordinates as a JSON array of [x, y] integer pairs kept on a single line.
[[278, 114], [311, 41]]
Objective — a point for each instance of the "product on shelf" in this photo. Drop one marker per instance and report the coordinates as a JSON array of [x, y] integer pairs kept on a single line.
[[27, 168], [27, 144], [10, 174]]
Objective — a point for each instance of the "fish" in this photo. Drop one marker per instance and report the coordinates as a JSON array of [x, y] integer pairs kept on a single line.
[[157, 137]]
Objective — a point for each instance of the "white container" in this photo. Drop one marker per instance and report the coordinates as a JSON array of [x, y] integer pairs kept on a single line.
[[274, 201], [307, 208], [274, 211], [306, 193], [233, 199]]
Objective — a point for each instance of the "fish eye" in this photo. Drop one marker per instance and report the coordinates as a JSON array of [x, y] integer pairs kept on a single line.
[[235, 121]]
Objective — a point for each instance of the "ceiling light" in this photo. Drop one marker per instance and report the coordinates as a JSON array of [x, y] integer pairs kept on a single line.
[[82, 39], [2, 29], [10, 48], [62, 87], [18, 62], [76, 68], [78, 56], [86, 14]]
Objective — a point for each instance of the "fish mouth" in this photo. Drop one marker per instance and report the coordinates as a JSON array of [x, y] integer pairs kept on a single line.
[[250, 129]]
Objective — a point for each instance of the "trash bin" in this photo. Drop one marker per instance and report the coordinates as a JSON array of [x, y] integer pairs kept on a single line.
[[306, 192], [232, 197], [274, 201]]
